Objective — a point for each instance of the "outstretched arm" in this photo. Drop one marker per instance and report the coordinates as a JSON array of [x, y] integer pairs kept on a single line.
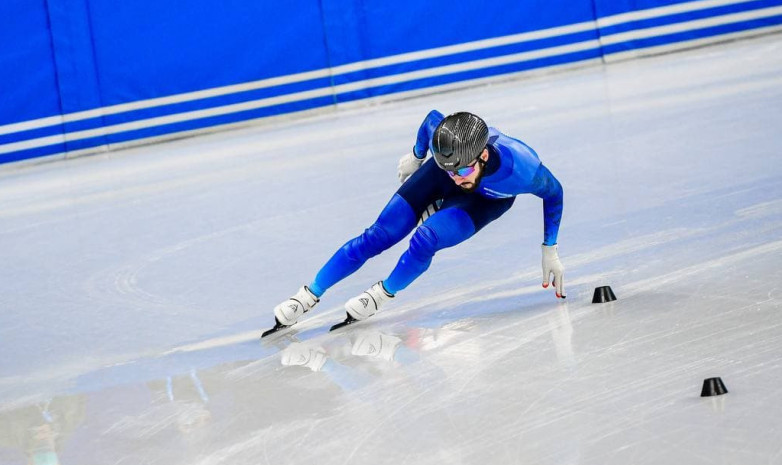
[[547, 187]]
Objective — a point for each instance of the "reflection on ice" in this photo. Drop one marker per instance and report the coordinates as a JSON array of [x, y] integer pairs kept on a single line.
[[38, 432], [373, 344], [359, 344], [562, 333], [303, 354], [133, 287]]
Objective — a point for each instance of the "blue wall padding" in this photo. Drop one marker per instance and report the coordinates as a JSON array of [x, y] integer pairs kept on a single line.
[[172, 47], [74, 60], [28, 81], [85, 74]]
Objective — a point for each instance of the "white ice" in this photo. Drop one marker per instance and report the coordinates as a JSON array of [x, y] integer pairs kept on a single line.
[[134, 286]]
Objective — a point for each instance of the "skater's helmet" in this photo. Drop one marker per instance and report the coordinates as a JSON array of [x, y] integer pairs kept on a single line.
[[458, 140]]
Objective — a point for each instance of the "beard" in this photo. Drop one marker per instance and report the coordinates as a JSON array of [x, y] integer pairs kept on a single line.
[[470, 187]]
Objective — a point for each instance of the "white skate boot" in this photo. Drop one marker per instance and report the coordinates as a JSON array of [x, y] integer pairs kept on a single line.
[[288, 312], [368, 302]]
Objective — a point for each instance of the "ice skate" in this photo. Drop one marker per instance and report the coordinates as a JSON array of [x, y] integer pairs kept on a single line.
[[368, 302], [364, 305], [289, 312]]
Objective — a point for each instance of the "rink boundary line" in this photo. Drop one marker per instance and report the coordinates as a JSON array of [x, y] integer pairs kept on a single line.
[[559, 31]]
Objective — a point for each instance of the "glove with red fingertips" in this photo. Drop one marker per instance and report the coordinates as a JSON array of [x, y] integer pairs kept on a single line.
[[552, 266]]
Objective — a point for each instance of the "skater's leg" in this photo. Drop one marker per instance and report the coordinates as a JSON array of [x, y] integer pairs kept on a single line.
[[461, 217], [428, 184], [398, 218], [445, 228], [394, 223]]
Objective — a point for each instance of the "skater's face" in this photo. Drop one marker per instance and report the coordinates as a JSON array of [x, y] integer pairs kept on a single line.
[[472, 173]]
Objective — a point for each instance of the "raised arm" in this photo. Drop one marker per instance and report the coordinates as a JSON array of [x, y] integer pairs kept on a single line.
[[410, 162], [425, 132]]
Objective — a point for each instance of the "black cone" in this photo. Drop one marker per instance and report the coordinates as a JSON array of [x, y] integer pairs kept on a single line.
[[713, 387], [603, 294]]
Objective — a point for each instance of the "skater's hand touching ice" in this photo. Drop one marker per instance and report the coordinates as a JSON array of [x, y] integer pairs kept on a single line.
[[408, 165], [552, 265]]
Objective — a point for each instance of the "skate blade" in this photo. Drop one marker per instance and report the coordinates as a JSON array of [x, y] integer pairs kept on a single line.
[[277, 327], [348, 321]]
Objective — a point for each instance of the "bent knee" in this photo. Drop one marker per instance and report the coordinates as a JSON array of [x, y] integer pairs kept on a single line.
[[374, 240], [424, 242]]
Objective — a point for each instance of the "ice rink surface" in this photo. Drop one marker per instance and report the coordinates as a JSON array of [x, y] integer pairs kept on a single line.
[[134, 287]]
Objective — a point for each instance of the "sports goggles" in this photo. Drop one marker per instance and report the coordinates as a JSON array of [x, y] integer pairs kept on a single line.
[[462, 172], [467, 170]]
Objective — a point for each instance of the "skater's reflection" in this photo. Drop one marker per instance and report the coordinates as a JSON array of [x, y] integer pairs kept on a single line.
[[374, 345], [191, 404], [562, 334], [366, 344], [315, 358], [304, 355], [345, 365], [181, 401], [40, 430]]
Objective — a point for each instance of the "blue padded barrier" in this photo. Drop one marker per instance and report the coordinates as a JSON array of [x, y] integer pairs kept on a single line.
[[93, 73]]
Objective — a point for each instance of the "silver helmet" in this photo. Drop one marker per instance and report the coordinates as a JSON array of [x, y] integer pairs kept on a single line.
[[458, 140]]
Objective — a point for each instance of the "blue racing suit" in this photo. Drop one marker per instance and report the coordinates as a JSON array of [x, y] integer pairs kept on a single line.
[[513, 168]]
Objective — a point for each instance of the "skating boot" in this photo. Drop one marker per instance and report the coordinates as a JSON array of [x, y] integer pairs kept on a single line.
[[364, 305], [289, 312], [368, 302]]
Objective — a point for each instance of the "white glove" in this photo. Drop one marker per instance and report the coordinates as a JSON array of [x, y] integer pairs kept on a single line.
[[408, 164], [552, 265]]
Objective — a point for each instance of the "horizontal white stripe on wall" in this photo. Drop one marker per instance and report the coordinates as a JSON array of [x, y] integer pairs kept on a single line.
[[294, 78], [664, 11], [298, 96], [160, 101], [365, 65], [681, 45], [690, 25], [608, 39]]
